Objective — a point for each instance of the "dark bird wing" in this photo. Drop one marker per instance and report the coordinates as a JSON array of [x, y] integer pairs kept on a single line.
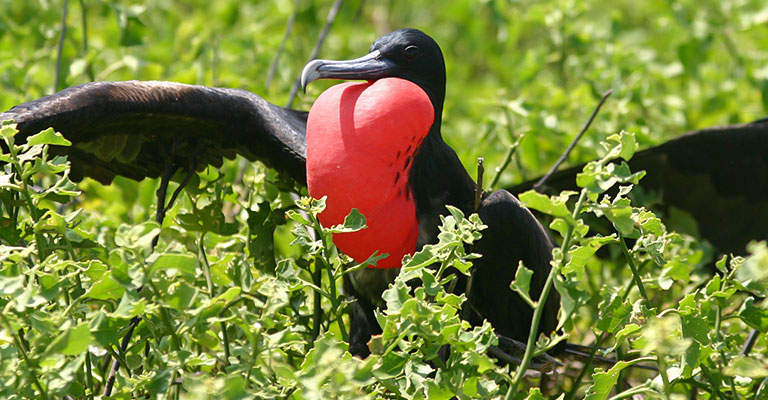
[[513, 235], [717, 175], [132, 128]]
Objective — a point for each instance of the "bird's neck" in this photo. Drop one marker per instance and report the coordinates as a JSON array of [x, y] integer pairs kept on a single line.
[[438, 179]]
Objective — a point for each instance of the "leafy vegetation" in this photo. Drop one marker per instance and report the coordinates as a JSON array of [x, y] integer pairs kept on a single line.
[[227, 297]]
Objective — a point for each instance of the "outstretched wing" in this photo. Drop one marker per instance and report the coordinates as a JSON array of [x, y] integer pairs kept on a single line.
[[132, 128], [717, 175]]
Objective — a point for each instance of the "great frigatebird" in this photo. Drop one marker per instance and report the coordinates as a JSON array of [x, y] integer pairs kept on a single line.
[[137, 129], [377, 146]]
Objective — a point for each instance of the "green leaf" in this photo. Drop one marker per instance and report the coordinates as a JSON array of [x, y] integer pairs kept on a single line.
[[174, 263], [753, 274], [353, 222], [579, 255], [620, 215], [137, 236], [180, 296], [695, 327], [106, 288], [535, 394], [628, 145], [8, 130], [7, 182], [72, 341], [675, 269], [261, 236], [747, 366], [522, 283], [555, 206], [614, 315], [604, 381], [48, 136], [129, 307], [571, 297], [754, 316]]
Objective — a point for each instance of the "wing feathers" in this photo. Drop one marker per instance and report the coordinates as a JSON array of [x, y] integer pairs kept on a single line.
[[132, 127]]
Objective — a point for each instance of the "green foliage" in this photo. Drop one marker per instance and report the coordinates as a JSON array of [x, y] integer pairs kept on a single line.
[[228, 296], [684, 322]]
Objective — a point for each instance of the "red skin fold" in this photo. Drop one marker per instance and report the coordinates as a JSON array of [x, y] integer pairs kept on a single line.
[[361, 139]]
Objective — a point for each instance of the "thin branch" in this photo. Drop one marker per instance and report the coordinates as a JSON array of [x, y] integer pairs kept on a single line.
[[320, 40], [539, 310], [84, 18], [162, 191], [281, 49], [750, 343], [295, 88], [537, 187], [209, 283], [27, 361], [635, 273], [318, 310], [479, 186], [505, 163], [116, 362], [89, 371], [60, 48]]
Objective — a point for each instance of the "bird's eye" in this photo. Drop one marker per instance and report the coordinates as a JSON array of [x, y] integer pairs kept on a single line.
[[411, 52]]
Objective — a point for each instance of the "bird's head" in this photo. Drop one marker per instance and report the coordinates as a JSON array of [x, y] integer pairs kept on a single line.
[[408, 54]]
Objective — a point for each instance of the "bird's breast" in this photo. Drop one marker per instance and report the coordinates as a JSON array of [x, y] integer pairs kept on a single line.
[[361, 139]]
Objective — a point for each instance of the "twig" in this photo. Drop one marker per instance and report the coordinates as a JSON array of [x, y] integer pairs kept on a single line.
[[505, 163], [479, 187], [89, 371], [750, 343], [537, 187], [209, 283], [288, 28], [116, 363], [27, 361], [84, 18], [320, 40], [215, 61], [61, 46], [539, 310], [635, 273], [162, 191], [318, 311], [588, 362], [295, 88]]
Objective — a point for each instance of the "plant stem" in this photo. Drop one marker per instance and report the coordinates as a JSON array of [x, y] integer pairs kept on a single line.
[[42, 246], [318, 313], [539, 310], [663, 374], [60, 48], [504, 164], [89, 372], [209, 283], [537, 187], [24, 355], [631, 263], [336, 303]]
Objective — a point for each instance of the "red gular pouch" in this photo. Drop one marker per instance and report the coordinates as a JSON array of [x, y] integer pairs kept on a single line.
[[361, 140]]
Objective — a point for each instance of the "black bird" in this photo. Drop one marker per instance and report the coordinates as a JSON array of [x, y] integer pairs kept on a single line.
[[146, 129], [390, 130]]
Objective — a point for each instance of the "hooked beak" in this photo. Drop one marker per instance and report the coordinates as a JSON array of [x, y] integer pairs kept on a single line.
[[368, 67]]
